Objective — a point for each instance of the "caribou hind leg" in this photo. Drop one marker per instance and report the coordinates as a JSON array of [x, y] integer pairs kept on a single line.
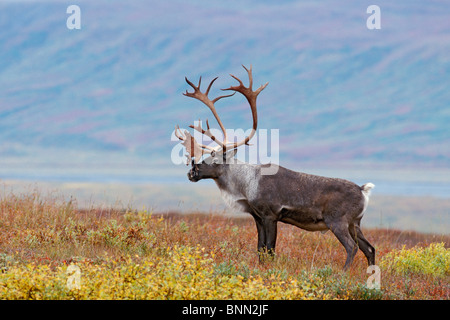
[[363, 244], [341, 231]]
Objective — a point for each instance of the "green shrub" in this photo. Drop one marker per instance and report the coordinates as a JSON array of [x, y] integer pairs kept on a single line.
[[434, 260]]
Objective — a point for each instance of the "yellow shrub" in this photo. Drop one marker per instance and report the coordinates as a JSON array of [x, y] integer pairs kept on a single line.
[[171, 273], [434, 259]]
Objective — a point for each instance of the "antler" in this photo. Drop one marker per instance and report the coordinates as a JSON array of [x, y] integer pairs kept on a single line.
[[251, 98], [193, 148], [203, 97], [208, 134], [197, 150]]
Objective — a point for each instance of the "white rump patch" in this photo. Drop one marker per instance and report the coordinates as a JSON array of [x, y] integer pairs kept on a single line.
[[365, 190]]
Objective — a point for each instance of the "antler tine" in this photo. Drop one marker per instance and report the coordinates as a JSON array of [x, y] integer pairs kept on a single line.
[[250, 76], [251, 96], [203, 97], [208, 134], [224, 96], [182, 136], [193, 148], [240, 82], [210, 85], [242, 89], [196, 88]]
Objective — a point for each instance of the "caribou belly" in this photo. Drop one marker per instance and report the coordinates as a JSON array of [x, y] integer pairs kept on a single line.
[[309, 226]]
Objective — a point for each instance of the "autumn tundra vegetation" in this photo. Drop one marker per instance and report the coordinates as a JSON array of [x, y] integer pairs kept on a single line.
[[140, 254], [50, 248]]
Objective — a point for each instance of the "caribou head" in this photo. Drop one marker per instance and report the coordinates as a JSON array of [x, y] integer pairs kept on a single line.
[[223, 153]]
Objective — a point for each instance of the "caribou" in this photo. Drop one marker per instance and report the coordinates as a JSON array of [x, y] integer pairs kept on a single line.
[[310, 202]]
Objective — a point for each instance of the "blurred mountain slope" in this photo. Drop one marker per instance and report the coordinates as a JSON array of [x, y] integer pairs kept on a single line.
[[109, 95]]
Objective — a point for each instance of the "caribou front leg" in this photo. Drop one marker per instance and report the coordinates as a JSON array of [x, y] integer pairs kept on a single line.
[[261, 235], [267, 237]]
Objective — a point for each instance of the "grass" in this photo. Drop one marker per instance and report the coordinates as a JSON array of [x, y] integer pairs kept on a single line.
[[136, 254]]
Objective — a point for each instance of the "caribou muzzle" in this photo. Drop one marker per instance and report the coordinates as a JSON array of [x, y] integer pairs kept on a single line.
[[193, 174]]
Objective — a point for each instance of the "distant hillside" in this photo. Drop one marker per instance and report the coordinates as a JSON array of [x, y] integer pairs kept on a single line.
[[106, 98]]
